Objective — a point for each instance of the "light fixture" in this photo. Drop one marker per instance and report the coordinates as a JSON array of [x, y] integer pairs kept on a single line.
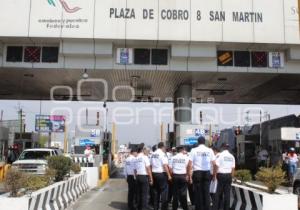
[[85, 75], [134, 81]]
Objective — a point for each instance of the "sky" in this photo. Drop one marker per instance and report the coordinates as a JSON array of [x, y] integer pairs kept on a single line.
[[141, 122]]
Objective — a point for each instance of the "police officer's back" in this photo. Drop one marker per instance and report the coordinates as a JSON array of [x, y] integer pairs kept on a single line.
[[143, 177], [131, 180], [225, 165], [179, 166], [161, 175], [202, 159]]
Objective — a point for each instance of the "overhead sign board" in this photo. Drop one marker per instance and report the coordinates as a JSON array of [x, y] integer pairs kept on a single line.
[[50, 123], [251, 21]]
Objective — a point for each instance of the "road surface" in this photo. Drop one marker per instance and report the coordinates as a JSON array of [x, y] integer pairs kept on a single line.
[[111, 196]]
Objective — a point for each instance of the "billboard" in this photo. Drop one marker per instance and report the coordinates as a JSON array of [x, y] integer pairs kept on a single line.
[[249, 21], [50, 123]]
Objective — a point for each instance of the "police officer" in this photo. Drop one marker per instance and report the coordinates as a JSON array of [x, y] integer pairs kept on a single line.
[[179, 168], [202, 159], [225, 165], [171, 153], [131, 180], [161, 175], [143, 177]]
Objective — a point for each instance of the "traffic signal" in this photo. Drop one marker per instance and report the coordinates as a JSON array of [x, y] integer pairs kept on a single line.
[[106, 147]]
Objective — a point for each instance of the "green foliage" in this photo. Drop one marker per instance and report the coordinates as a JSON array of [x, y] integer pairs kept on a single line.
[[243, 175], [76, 168], [34, 182], [62, 166], [271, 177], [14, 181]]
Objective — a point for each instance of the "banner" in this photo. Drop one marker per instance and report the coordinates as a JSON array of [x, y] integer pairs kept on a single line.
[[249, 21]]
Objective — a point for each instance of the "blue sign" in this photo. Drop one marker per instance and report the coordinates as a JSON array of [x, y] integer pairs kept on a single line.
[[191, 141], [124, 56], [86, 142]]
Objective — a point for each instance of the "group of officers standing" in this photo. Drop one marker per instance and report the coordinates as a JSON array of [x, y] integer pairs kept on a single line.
[[196, 169]]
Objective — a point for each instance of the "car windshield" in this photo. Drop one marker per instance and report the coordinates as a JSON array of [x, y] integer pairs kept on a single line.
[[34, 155]]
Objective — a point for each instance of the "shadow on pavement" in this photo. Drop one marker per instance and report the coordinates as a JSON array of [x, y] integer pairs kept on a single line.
[[118, 205]]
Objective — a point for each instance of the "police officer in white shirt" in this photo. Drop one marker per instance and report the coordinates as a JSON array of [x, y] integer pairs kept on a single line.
[[179, 166], [202, 159], [161, 175], [130, 176], [143, 178], [225, 165]]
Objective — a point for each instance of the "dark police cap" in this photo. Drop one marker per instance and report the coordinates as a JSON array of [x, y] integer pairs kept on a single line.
[[201, 140]]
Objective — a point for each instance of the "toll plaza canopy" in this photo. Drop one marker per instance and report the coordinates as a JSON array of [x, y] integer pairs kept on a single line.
[[240, 51]]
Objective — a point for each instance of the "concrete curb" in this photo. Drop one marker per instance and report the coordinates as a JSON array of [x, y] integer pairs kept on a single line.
[[55, 197]]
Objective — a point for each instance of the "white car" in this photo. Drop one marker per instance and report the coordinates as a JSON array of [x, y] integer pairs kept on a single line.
[[34, 160]]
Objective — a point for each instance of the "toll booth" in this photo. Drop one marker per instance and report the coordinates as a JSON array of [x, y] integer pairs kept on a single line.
[[281, 139], [188, 134], [25, 140]]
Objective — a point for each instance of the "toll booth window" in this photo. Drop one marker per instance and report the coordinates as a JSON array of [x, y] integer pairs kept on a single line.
[[14, 54], [225, 58], [32, 54], [50, 55], [259, 59], [242, 58], [159, 57], [141, 56]]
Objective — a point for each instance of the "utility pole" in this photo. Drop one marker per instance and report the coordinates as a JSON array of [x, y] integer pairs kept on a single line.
[[65, 138], [39, 123], [161, 132], [248, 118], [260, 127], [1, 116], [21, 115]]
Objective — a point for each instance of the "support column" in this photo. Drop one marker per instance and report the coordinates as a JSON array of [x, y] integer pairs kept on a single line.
[[182, 110], [182, 104]]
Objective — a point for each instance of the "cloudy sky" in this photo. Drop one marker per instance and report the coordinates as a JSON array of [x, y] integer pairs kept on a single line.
[[140, 122]]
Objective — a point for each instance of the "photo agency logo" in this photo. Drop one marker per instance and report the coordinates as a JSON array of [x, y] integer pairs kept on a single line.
[[65, 6]]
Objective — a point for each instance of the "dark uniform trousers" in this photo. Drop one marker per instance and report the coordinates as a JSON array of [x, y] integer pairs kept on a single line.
[[142, 183], [223, 191], [132, 199], [180, 186], [191, 193], [201, 181], [170, 191], [160, 192]]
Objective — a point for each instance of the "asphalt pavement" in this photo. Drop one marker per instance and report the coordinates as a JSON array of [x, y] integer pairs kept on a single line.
[[111, 196], [2, 189]]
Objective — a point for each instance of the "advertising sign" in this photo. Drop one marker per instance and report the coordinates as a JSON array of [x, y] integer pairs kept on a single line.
[[50, 123]]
